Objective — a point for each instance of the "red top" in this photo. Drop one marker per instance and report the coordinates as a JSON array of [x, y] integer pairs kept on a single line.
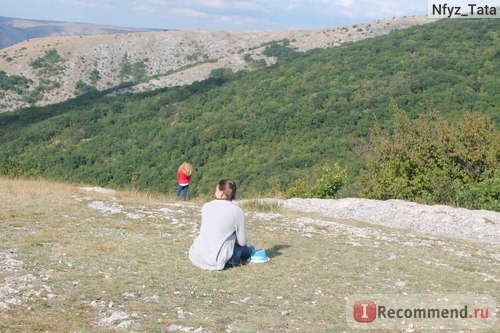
[[182, 179]]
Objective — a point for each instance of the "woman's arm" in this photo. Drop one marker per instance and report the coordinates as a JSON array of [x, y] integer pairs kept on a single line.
[[240, 226]]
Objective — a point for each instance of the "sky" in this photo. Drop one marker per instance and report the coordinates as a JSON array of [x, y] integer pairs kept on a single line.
[[214, 14]]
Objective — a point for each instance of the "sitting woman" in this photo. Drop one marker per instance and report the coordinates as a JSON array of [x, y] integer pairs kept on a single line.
[[222, 238]]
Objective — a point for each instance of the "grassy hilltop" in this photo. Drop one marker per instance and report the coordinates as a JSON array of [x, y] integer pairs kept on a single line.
[[85, 259], [265, 128]]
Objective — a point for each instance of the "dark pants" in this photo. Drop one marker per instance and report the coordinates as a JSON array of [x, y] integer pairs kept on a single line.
[[182, 189], [240, 253]]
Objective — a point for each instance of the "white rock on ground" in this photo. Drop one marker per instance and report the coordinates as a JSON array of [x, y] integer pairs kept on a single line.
[[448, 221]]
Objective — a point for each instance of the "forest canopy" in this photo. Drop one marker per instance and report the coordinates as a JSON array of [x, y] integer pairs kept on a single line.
[[267, 128]]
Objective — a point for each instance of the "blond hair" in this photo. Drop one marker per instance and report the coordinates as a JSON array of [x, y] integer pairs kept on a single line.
[[186, 168]]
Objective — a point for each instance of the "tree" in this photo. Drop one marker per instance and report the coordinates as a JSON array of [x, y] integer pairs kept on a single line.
[[430, 161], [82, 88], [94, 76]]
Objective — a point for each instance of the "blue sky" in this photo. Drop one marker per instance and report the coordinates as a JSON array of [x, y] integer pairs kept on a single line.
[[214, 14]]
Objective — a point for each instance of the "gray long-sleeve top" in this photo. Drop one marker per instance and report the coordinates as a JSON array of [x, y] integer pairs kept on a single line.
[[222, 224]]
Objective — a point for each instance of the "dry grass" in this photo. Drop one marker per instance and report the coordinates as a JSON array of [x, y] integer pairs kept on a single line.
[[69, 263]]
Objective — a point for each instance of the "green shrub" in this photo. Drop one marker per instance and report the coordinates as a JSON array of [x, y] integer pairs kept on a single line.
[[13, 170], [330, 181], [298, 190], [430, 161], [95, 76], [82, 88], [51, 64], [281, 50], [136, 71], [485, 195], [15, 83]]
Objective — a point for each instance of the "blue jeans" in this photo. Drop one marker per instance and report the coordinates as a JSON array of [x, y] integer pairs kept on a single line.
[[182, 189], [240, 253]]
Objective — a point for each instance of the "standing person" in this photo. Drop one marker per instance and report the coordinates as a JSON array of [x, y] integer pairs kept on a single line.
[[222, 239], [183, 178]]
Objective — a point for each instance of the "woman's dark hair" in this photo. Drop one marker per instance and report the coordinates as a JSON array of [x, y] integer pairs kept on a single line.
[[228, 187]]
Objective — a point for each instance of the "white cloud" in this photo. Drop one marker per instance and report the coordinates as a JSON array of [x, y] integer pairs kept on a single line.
[[214, 3], [215, 14], [159, 2], [245, 5], [187, 12], [88, 4], [237, 20], [282, 13], [143, 8], [221, 4]]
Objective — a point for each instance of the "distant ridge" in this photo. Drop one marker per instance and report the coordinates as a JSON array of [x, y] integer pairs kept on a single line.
[[16, 30], [166, 58]]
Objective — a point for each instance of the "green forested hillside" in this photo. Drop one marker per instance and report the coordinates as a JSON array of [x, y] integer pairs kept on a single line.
[[264, 128]]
